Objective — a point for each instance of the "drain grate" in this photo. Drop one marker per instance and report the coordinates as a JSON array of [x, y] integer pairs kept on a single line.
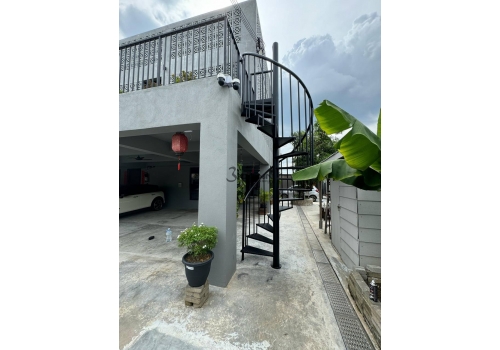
[[320, 256], [338, 299], [326, 272], [312, 237], [315, 245], [353, 334]]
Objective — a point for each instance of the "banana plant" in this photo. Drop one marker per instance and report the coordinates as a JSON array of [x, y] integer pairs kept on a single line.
[[360, 149]]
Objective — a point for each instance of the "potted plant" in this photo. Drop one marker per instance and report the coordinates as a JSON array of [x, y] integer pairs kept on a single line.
[[199, 241], [263, 199]]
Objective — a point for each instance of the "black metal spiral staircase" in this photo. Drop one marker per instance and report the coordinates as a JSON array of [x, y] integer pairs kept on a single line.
[[276, 100]]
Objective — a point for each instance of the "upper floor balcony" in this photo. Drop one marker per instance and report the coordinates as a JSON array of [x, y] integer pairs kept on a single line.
[[194, 52]]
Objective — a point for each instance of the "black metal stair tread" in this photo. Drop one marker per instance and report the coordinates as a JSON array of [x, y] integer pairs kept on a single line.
[[266, 226], [257, 120], [266, 129], [292, 154], [267, 111], [292, 167], [271, 216], [284, 140], [253, 250], [291, 199], [282, 208], [265, 101], [261, 238]]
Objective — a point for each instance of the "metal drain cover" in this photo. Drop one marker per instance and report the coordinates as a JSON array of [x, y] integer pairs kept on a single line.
[[351, 329], [326, 272], [320, 256], [353, 333]]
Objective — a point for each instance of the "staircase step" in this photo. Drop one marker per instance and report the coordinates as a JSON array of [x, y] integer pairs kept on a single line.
[[265, 108], [257, 251], [261, 238], [271, 216], [285, 208], [267, 129], [291, 199], [257, 120], [292, 167], [266, 226], [292, 154], [266, 101], [284, 140]]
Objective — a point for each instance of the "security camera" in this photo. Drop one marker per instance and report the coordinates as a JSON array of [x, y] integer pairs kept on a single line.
[[221, 78], [236, 84]]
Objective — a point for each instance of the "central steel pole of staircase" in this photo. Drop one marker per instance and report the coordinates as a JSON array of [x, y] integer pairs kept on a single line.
[[276, 204]]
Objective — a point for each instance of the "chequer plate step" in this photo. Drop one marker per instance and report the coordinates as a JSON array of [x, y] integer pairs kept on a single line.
[[266, 226], [257, 120], [261, 238], [283, 141], [271, 216], [292, 154], [257, 251], [266, 129]]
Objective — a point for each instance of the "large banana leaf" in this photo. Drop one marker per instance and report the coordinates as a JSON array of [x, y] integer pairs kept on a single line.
[[360, 148], [338, 169]]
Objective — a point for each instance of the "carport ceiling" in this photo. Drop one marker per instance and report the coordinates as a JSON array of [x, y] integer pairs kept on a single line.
[[157, 148]]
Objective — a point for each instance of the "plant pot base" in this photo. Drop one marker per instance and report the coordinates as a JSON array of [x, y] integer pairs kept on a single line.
[[196, 296]]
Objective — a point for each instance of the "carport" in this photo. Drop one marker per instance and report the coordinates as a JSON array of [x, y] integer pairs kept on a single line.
[[146, 157]]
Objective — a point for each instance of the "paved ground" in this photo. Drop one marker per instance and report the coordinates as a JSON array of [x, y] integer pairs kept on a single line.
[[261, 308]]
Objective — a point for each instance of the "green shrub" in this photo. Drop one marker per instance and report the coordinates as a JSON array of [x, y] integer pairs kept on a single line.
[[198, 240]]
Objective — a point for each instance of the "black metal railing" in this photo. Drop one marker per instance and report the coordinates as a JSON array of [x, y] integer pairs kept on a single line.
[[294, 110], [278, 102], [194, 52]]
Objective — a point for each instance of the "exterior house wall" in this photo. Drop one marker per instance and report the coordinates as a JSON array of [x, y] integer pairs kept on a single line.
[[217, 111], [356, 224]]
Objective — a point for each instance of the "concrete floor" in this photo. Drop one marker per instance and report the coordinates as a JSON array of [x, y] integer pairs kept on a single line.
[[261, 308]]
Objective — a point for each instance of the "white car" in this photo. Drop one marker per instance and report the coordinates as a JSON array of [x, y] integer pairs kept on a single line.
[[134, 197], [292, 193], [313, 193]]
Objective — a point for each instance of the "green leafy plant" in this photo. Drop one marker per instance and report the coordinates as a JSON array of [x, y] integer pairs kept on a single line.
[[263, 196], [360, 148], [241, 187], [198, 240], [184, 76]]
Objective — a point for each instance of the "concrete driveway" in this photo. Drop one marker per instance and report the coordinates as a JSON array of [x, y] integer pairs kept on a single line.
[[261, 308]]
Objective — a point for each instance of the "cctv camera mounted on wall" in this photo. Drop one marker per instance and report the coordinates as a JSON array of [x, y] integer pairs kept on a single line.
[[226, 80]]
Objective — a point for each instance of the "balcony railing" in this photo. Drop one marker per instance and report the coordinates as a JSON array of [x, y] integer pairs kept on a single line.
[[195, 52]]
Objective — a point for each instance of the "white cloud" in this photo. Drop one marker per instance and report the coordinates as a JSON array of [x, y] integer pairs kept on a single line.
[[346, 72], [138, 16]]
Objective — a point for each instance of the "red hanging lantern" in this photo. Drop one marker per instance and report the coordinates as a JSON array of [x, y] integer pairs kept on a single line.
[[179, 146]]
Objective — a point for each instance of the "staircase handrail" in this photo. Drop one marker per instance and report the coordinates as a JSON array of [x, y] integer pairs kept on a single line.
[[295, 76], [256, 182]]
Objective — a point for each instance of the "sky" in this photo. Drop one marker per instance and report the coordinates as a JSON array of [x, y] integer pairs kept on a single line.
[[334, 46]]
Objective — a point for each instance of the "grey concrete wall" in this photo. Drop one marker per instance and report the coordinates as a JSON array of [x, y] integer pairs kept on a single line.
[[217, 110]]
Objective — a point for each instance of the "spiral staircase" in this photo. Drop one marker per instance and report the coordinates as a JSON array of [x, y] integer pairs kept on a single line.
[[276, 100]]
